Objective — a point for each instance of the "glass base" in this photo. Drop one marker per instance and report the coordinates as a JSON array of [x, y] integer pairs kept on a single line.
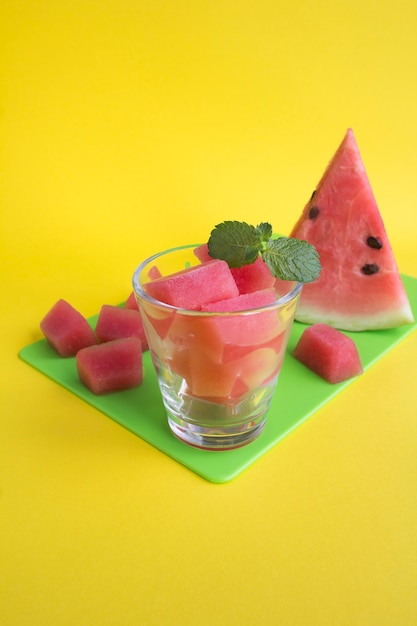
[[207, 438], [213, 423]]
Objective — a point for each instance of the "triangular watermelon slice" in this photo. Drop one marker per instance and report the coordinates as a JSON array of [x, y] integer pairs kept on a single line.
[[359, 287]]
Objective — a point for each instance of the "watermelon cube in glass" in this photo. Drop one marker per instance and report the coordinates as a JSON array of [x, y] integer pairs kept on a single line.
[[217, 353]]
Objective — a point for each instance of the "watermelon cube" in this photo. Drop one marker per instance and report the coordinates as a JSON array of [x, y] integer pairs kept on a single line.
[[157, 321], [242, 302], [231, 351], [253, 277], [111, 366], [207, 380], [248, 278], [222, 355], [154, 273], [131, 302], [213, 342], [329, 353], [116, 322], [66, 329], [202, 253], [195, 286], [210, 380], [254, 328], [223, 337]]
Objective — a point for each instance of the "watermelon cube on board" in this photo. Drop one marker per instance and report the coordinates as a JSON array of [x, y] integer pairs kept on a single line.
[[111, 366], [359, 287], [329, 353], [66, 329], [194, 286], [117, 322]]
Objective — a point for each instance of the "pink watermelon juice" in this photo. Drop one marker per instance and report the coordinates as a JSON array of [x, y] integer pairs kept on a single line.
[[217, 352]]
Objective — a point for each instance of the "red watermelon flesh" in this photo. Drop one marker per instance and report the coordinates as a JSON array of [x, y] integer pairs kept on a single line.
[[359, 287], [231, 351], [66, 329], [111, 366], [117, 322], [219, 353], [195, 286], [202, 253], [156, 320], [243, 302], [329, 353], [219, 337], [223, 356], [154, 273], [252, 277], [254, 328], [131, 302], [206, 379]]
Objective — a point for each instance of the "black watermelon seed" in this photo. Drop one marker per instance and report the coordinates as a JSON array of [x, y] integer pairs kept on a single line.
[[314, 211], [313, 194], [370, 268], [374, 242]]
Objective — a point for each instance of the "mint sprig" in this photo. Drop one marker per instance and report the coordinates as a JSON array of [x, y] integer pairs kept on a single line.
[[239, 243]]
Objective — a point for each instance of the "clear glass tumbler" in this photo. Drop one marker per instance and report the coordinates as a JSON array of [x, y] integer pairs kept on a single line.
[[217, 371]]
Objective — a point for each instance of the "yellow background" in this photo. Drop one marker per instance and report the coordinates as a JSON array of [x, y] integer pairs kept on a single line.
[[131, 126]]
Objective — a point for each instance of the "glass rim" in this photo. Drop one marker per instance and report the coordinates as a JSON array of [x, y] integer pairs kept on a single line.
[[279, 302]]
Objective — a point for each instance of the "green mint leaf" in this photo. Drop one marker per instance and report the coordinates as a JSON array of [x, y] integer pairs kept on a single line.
[[292, 259], [237, 243], [265, 231]]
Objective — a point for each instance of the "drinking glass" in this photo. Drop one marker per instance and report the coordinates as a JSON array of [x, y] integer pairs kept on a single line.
[[217, 371]]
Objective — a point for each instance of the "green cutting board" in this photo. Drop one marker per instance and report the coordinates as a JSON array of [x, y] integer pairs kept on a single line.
[[140, 410]]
